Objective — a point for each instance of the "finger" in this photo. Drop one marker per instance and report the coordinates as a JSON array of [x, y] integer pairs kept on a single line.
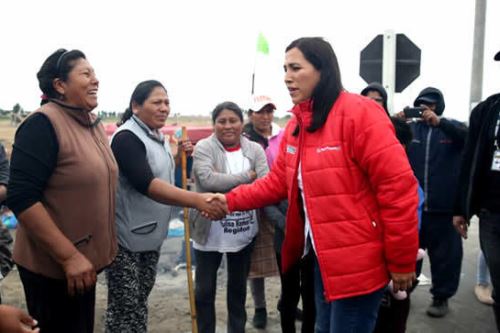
[[71, 287], [27, 319], [79, 285]]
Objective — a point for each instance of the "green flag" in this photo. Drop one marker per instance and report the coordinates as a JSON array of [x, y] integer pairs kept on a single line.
[[262, 45]]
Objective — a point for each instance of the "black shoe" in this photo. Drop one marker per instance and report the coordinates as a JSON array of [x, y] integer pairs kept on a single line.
[[260, 318], [438, 308]]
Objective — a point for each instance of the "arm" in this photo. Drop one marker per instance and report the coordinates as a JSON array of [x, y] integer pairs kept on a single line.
[[208, 177], [374, 148], [130, 154], [467, 160], [455, 130], [4, 173], [265, 191], [34, 158]]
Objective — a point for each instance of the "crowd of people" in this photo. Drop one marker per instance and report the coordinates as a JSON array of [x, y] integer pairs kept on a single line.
[[340, 203]]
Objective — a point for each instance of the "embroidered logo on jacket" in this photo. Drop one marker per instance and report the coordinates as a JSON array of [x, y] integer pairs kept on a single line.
[[327, 148], [291, 149]]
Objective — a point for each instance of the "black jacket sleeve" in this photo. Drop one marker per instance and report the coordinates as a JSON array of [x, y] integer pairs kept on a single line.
[[467, 160], [455, 129], [4, 167], [34, 158], [130, 154]]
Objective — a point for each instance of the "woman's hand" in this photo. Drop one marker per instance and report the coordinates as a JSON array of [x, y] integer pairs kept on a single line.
[[14, 320], [80, 273], [186, 146], [402, 281], [252, 174], [213, 206]]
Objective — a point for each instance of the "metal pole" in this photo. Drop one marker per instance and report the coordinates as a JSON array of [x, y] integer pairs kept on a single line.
[[476, 81], [187, 240], [389, 67]]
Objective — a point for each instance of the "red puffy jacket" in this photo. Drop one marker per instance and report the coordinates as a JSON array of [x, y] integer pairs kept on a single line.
[[360, 194]]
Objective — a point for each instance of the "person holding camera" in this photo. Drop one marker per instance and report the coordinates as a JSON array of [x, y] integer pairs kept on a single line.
[[434, 153]]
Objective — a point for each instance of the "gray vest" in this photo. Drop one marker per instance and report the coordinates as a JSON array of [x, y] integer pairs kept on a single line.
[[141, 222]]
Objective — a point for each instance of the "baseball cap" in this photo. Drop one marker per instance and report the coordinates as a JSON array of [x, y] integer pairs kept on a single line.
[[259, 101]]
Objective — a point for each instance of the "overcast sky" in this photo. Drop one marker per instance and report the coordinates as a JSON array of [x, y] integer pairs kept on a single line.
[[204, 51]]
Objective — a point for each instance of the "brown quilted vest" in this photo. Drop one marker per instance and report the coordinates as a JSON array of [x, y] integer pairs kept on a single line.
[[79, 195]]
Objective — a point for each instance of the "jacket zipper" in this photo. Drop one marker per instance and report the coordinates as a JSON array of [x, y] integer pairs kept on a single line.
[[426, 169]]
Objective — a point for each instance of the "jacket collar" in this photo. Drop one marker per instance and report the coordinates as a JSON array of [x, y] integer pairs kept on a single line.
[[83, 117], [303, 111], [155, 134], [244, 143]]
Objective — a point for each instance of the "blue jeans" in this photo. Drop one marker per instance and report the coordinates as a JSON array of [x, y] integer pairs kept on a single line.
[[483, 273], [349, 315]]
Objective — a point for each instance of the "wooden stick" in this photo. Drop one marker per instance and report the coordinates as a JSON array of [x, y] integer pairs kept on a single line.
[[187, 240]]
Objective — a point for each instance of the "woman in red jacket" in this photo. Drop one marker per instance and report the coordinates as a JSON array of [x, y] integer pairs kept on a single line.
[[352, 194]]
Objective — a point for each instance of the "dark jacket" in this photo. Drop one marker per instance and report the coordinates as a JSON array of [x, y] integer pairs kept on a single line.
[[475, 158], [435, 154]]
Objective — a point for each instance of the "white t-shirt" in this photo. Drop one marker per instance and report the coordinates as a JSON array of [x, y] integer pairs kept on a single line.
[[236, 230], [307, 224]]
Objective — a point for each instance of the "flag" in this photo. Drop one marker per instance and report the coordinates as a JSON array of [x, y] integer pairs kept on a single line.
[[262, 45]]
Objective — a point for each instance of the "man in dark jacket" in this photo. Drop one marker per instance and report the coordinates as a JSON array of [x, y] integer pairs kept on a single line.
[[434, 154], [378, 93], [479, 191]]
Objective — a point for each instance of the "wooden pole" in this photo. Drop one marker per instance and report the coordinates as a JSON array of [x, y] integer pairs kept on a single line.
[[187, 240]]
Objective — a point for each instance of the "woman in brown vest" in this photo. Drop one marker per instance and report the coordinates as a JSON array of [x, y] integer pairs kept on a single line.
[[62, 190]]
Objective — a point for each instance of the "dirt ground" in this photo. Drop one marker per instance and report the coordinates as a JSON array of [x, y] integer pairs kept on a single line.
[[169, 300]]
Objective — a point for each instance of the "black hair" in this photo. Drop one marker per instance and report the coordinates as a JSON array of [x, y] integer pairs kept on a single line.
[[56, 66], [231, 106], [139, 96], [320, 54], [403, 131]]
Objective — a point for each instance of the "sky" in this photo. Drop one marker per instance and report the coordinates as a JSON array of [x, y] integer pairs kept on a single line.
[[204, 52]]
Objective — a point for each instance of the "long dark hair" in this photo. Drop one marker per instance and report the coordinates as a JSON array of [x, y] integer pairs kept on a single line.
[[140, 94], [56, 66], [321, 55]]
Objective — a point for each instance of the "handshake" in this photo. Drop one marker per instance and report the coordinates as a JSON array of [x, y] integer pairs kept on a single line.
[[212, 206]]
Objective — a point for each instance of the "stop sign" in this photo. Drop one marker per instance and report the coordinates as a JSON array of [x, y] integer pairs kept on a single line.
[[407, 61]]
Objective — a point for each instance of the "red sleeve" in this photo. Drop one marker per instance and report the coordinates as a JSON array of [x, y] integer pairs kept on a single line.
[[384, 161], [265, 191]]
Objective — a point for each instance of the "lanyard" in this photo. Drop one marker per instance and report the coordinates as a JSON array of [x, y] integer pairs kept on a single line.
[[497, 145]]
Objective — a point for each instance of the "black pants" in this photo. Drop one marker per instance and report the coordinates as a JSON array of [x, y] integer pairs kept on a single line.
[[296, 282], [489, 238], [392, 314], [238, 266], [444, 248], [57, 312]]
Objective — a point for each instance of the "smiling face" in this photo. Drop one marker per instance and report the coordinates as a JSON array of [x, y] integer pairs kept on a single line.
[[301, 77], [155, 109], [80, 88], [228, 127]]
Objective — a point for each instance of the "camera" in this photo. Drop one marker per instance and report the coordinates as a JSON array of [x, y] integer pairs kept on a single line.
[[413, 112]]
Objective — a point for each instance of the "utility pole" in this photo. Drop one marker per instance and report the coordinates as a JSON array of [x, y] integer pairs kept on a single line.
[[476, 82]]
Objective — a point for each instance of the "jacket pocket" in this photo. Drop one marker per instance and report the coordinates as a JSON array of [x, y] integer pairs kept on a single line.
[[145, 228]]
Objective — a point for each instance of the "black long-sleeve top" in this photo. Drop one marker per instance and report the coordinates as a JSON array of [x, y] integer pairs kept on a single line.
[[34, 158]]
